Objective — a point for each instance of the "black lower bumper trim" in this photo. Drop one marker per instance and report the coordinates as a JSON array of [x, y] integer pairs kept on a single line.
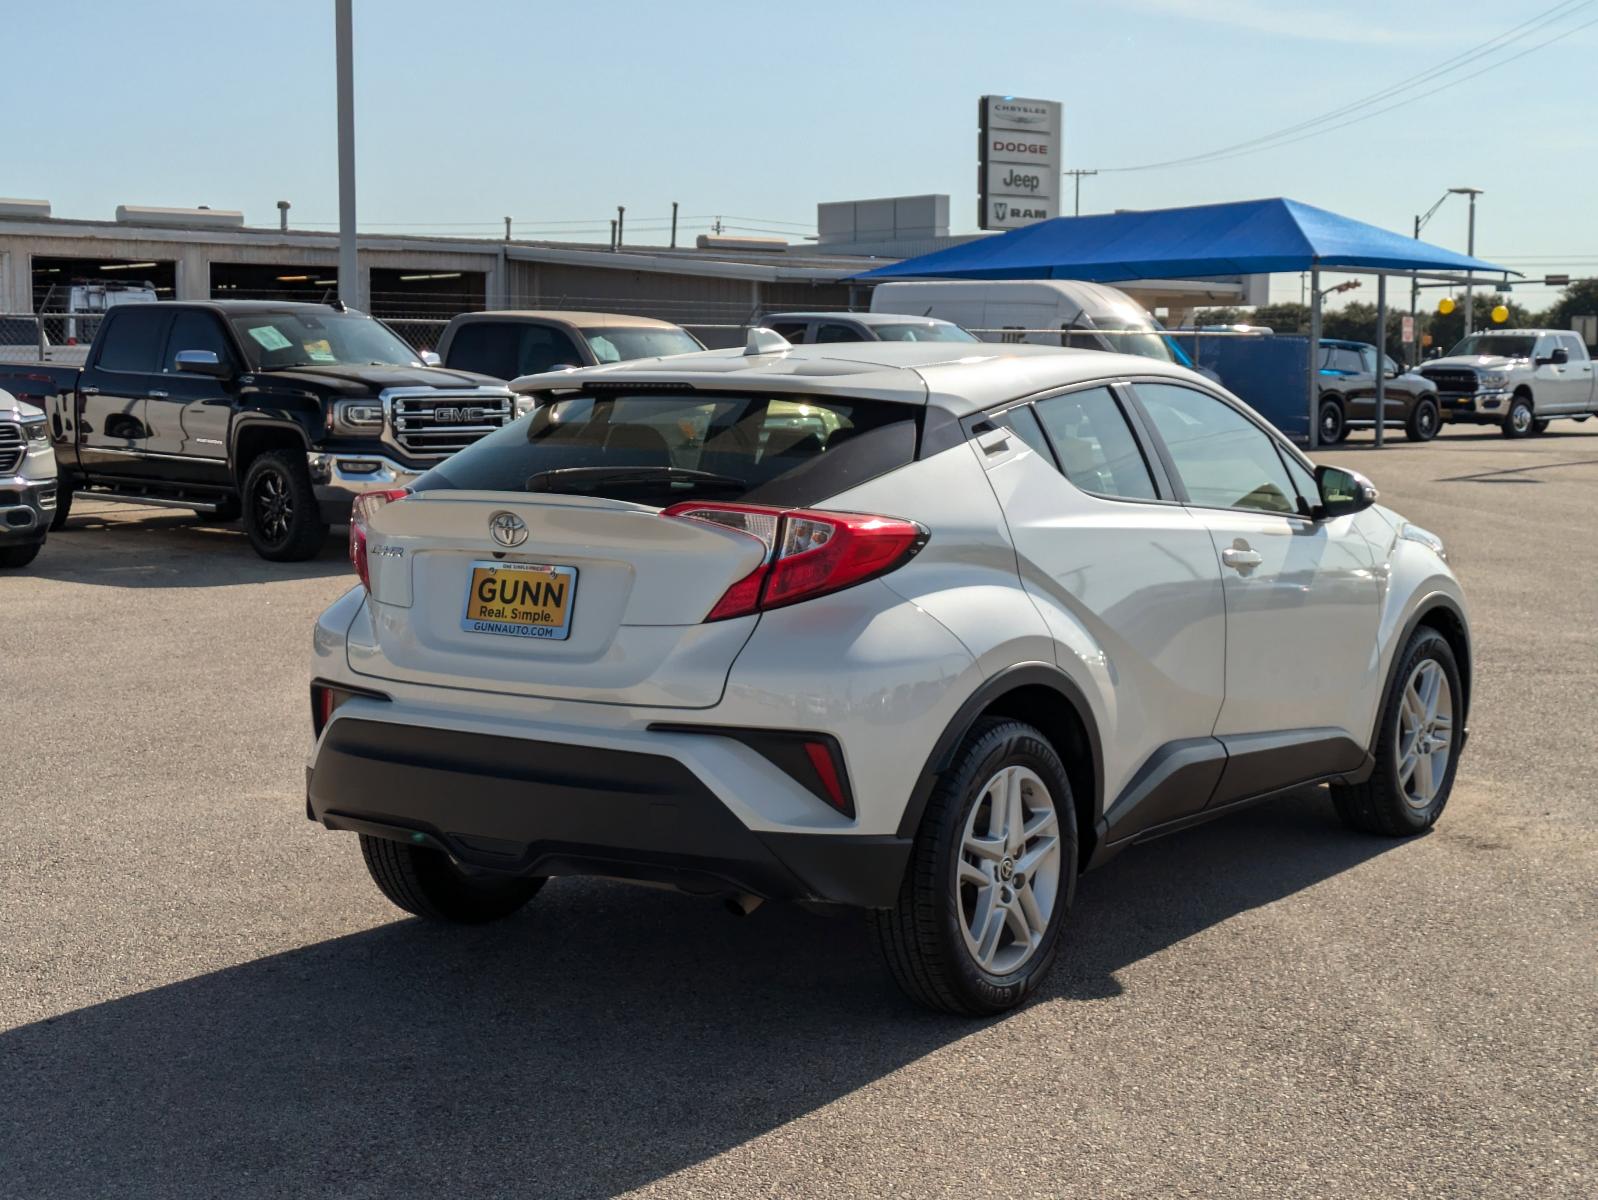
[[545, 808]]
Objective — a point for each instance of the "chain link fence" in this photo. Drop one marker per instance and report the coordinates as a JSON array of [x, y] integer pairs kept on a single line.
[[47, 337]]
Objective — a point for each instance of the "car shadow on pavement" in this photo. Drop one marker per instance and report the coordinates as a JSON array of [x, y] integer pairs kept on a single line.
[[605, 1038], [124, 547]]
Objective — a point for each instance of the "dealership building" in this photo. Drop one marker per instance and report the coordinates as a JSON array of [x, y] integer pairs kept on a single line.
[[718, 285]]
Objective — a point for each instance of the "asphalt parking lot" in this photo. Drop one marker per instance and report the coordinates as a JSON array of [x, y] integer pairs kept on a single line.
[[201, 993]]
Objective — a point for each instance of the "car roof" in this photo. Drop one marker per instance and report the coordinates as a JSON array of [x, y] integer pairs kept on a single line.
[[255, 306], [862, 318], [568, 317], [962, 377]]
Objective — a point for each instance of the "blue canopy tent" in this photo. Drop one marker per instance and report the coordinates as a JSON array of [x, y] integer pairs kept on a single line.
[[1248, 237]]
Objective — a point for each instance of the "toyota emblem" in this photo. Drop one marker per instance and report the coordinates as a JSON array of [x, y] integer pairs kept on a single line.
[[508, 529]]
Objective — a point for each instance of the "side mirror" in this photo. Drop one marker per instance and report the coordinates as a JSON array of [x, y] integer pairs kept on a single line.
[[431, 359], [1344, 492], [1559, 357], [202, 362]]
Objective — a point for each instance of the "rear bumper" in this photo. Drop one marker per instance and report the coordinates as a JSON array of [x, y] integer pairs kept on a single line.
[[545, 808], [26, 507]]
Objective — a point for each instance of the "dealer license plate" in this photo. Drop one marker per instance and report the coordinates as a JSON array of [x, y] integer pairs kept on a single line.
[[530, 600]]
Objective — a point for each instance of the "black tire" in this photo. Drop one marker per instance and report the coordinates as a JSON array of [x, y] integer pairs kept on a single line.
[[922, 936], [1518, 421], [1334, 425], [1380, 804], [1423, 421], [424, 881], [1539, 426], [19, 556], [281, 515], [63, 506]]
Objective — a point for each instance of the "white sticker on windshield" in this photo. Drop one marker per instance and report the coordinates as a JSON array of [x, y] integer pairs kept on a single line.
[[270, 338]]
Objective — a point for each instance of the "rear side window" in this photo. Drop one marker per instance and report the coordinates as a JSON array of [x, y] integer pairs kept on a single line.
[[1097, 450], [839, 333], [133, 340], [506, 349], [659, 448]]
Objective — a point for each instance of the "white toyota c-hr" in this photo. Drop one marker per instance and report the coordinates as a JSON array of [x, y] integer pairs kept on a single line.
[[922, 629]]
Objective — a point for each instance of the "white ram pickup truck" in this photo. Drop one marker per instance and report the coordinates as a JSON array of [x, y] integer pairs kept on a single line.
[[1517, 379], [27, 481]]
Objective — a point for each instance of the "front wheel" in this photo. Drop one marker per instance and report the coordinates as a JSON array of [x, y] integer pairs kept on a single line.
[[1539, 426], [991, 876], [1334, 428], [281, 515], [1422, 423], [1418, 745], [424, 881], [1518, 421]]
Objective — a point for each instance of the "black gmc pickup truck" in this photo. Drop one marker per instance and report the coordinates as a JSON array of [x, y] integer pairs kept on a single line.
[[277, 412]]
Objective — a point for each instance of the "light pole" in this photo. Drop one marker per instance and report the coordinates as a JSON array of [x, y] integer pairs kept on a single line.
[[1414, 282], [349, 263], [1470, 249]]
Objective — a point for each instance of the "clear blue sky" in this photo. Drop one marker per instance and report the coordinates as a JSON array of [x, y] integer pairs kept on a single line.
[[555, 113]]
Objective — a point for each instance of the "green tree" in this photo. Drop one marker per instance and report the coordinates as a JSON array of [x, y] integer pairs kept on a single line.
[[1221, 316], [1447, 330], [1291, 317], [1578, 300]]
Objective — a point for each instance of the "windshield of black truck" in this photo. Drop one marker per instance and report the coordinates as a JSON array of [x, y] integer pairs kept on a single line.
[[1499, 345], [277, 341], [659, 449]]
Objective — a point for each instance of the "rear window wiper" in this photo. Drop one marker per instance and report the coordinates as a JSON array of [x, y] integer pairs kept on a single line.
[[577, 479]]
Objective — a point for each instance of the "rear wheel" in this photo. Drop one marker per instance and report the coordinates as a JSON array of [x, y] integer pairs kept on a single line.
[[1418, 746], [281, 515], [19, 556], [1422, 423], [991, 876], [425, 882], [1334, 428], [1518, 421]]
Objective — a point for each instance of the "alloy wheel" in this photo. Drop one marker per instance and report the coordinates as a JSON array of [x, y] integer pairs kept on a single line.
[[274, 506], [1425, 734], [1521, 418], [1007, 874]]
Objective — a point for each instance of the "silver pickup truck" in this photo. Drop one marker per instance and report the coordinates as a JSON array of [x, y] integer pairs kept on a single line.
[[1517, 379]]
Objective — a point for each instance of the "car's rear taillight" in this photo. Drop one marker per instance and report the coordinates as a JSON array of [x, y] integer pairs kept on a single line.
[[366, 504], [809, 553]]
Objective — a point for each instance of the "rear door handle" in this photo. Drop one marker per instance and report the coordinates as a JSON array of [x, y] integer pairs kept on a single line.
[[1241, 560], [156, 395], [89, 391]]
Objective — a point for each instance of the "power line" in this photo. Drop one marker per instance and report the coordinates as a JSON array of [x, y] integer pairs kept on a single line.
[[1281, 137]]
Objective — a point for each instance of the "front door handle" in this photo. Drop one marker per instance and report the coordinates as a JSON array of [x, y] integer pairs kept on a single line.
[[1240, 558], [156, 395]]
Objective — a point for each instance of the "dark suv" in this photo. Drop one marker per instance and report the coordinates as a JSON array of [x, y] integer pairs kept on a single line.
[[1348, 394]]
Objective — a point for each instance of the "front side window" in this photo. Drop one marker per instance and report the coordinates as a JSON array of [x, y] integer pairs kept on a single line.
[[1097, 450], [196, 331], [1223, 459], [665, 447], [275, 341]]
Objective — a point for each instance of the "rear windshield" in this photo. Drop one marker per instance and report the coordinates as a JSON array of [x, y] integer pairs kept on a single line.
[[620, 345], [661, 448], [929, 332]]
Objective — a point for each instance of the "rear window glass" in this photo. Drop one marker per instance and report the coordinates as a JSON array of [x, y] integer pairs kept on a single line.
[[506, 349], [661, 448], [929, 332], [620, 345]]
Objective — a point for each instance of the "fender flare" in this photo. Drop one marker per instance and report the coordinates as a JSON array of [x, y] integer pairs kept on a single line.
[[1430, 604], [1031, 674], [247, 422]]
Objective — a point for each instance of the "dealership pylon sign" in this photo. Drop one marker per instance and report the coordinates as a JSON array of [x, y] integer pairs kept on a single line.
[[1018, 174]]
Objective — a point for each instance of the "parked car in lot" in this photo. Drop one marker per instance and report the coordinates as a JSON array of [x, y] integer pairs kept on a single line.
[[1001, 615], [507, 344], [1517, 379], [1348, 394], [280, 412], [802, 328], [27, 481]]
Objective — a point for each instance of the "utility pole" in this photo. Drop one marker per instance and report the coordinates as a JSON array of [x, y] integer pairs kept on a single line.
[[349, 260], [1077, 176], [673, 224]]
